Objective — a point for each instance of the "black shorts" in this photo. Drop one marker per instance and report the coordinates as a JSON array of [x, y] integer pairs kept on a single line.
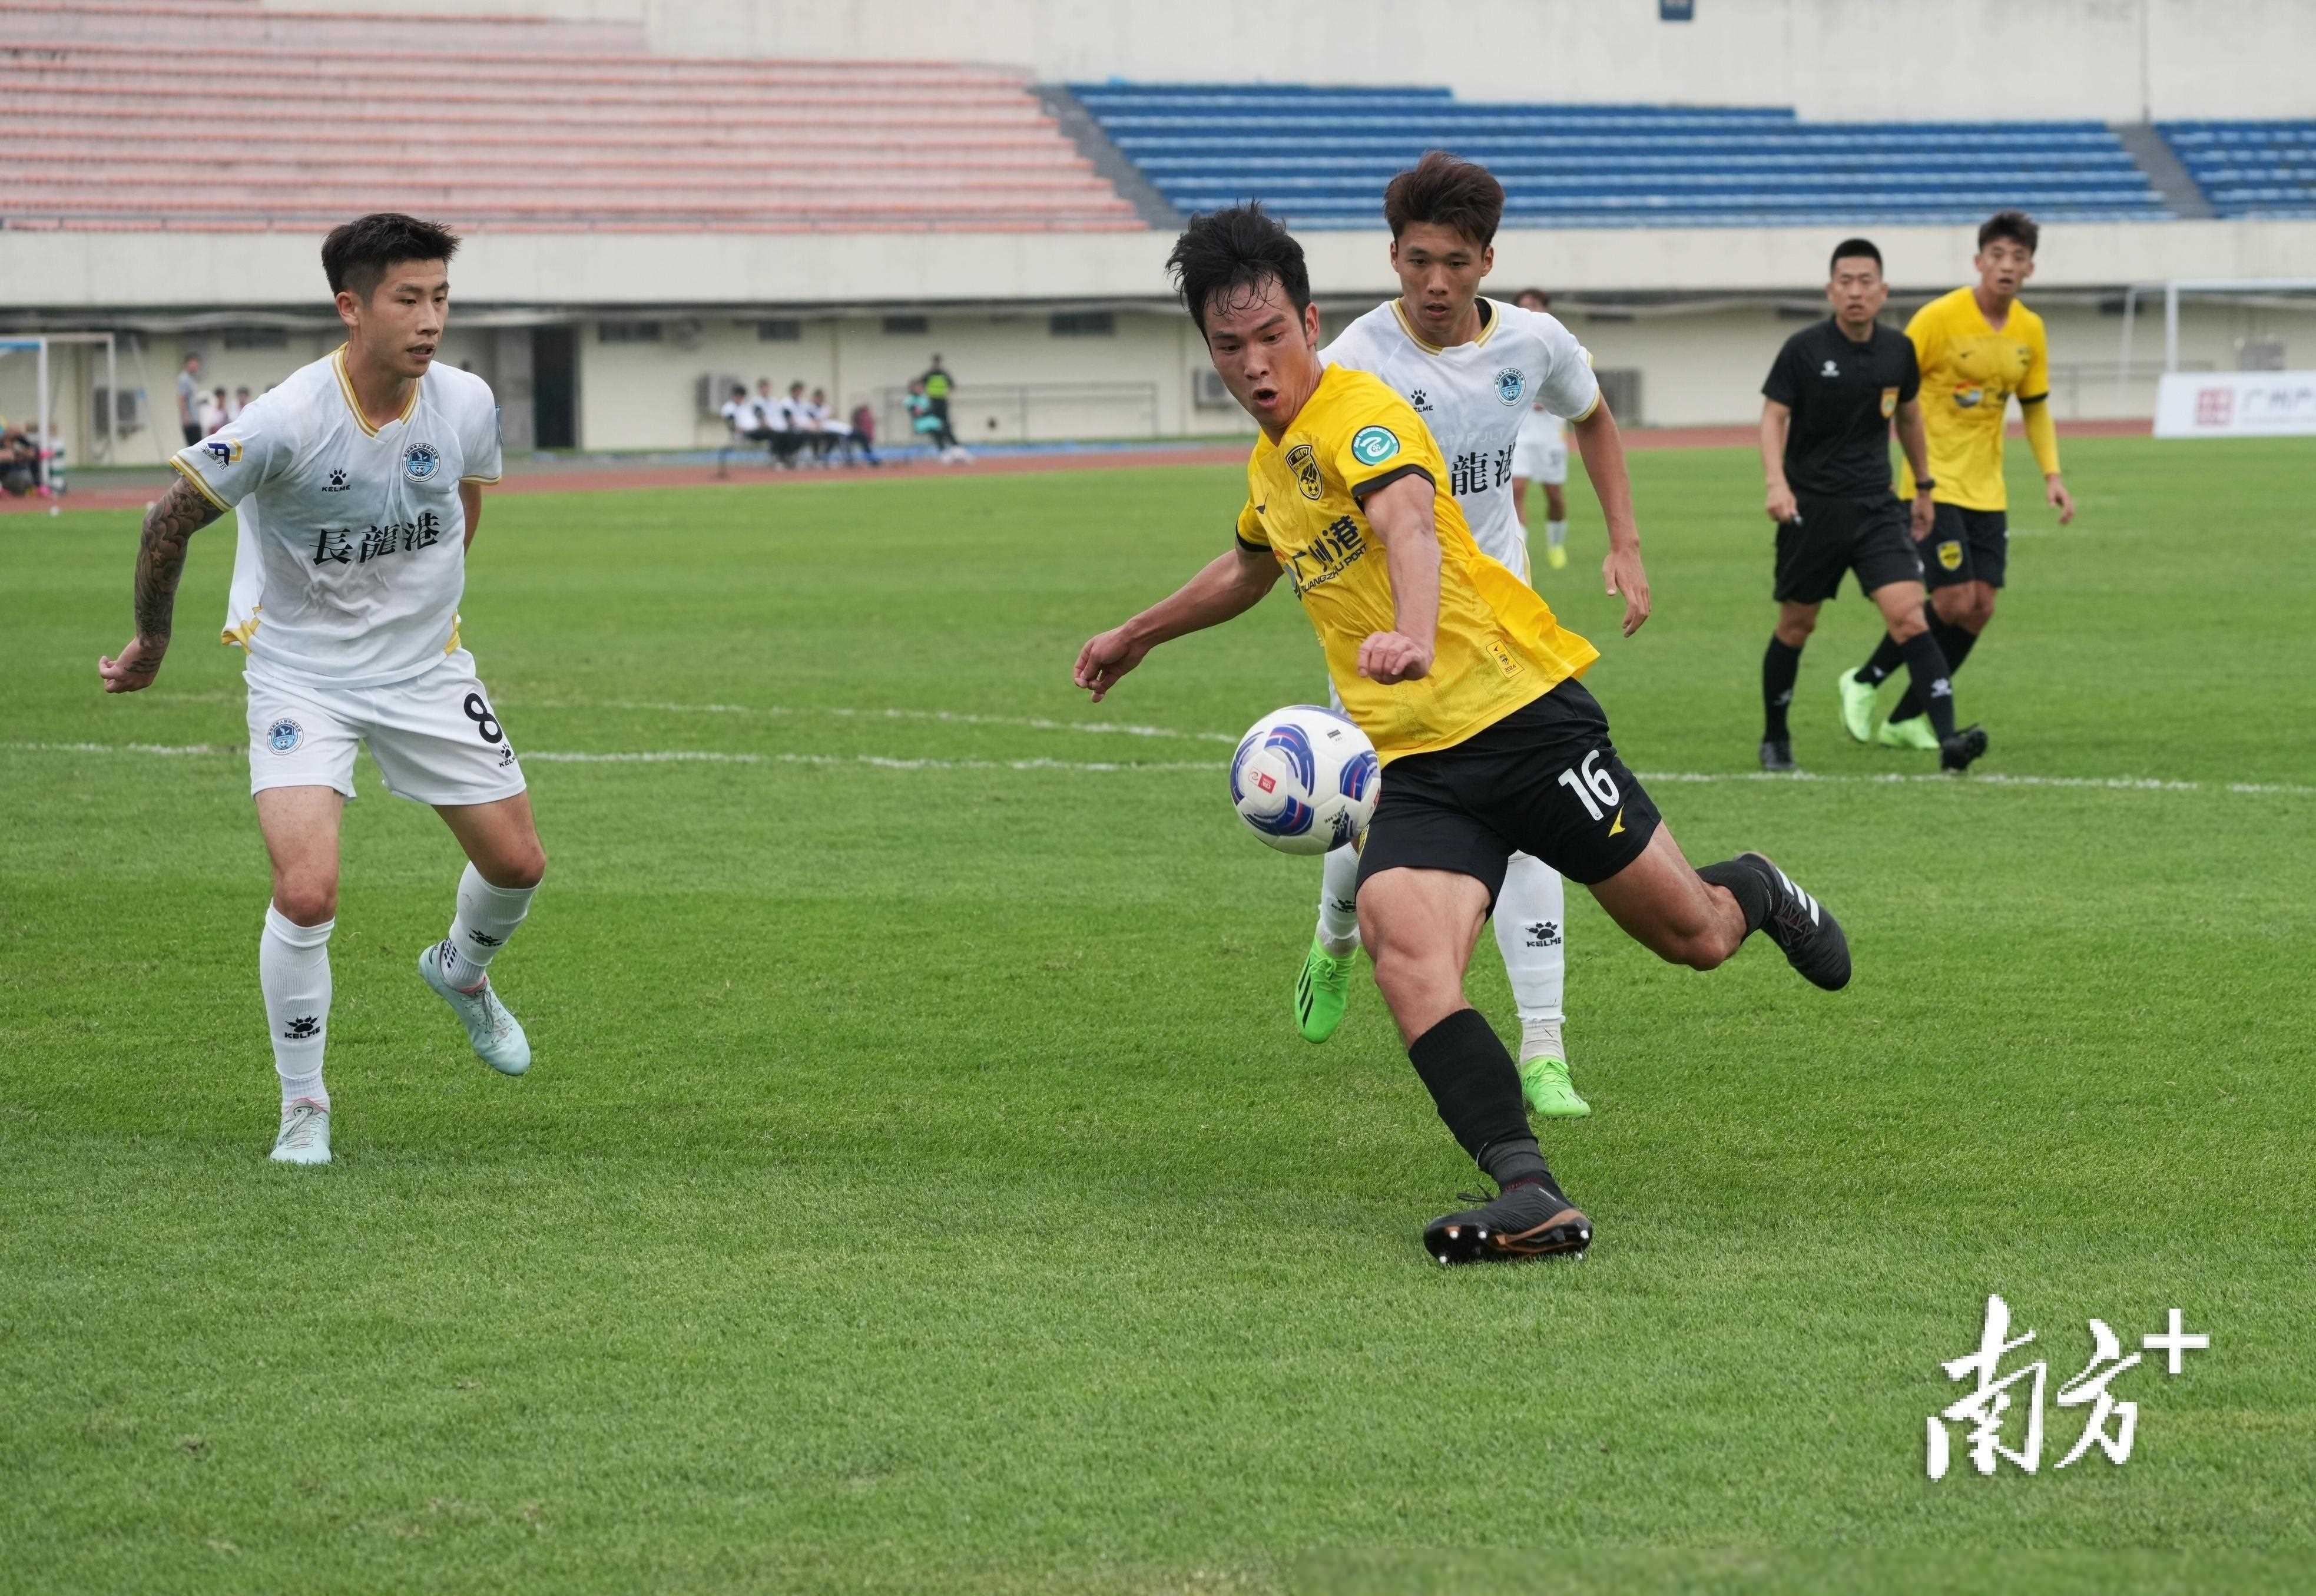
[[1967, 546], [1830, 536], [1545, 779], [192, 433]]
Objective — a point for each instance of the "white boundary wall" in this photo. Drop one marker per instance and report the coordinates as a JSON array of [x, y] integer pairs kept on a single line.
[[2116, 60]]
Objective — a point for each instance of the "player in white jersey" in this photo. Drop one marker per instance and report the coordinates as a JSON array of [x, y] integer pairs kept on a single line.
[[359, 485], [1471, 368], [1541, 456]]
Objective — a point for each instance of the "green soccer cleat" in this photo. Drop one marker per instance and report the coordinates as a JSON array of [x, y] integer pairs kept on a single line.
[[1856, 706], [1322, 989], [1549, 1092], [1913, 732]]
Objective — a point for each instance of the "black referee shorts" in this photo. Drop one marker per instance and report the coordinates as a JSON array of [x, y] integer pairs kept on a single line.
[[1967, 546], [1832, 536], [1545, 779]]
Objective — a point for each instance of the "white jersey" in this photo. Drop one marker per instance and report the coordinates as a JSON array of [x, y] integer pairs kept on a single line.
[[1476, 398], [352, 554]]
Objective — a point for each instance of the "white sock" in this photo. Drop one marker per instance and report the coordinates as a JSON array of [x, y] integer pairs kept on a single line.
[[1555, 532], [487, 916], [1338, 908], [293, 971], [1531, 930]]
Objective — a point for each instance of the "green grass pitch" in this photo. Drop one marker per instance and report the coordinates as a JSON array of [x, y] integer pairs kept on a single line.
[[921, 1187]]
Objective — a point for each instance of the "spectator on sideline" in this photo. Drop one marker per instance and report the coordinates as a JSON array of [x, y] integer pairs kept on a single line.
[[19, 460], [810, 432], [240, 403], [772, 418], [212, 411], [839, 434], [740, 419], [864, 432], [189, 399], [938, 386]]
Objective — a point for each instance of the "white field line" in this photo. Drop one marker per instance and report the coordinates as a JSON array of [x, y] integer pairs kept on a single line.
[[895, 763], [945, 716]]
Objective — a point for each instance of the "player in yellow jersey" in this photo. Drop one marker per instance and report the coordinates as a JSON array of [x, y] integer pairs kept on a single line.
[[1976, 347], [1467, 686]]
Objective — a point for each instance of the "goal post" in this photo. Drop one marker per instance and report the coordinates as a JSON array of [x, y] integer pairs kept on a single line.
[[46, 434], [2292, 294]]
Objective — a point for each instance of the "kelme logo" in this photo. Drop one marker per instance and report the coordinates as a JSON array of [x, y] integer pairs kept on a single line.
[[1371, 446]]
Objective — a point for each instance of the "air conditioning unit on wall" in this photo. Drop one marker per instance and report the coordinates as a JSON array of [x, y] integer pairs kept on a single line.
[[1207, 392]]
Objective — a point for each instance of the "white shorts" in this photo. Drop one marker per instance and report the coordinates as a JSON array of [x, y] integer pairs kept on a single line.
[[435, 737], [1541, 455]]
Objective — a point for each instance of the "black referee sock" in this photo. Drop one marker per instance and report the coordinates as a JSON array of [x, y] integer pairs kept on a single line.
[[1746, 884], [1477, 1087], [1780, 666], [1954, 642], [1933, 686]]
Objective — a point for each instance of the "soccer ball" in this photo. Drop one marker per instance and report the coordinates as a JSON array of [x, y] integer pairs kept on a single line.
[[1304, 780]]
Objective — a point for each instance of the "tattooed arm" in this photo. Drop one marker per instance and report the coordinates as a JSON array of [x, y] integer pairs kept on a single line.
[[169, 526]]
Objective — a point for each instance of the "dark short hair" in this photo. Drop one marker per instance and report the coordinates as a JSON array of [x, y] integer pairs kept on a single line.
[[1850, 249], [358, 254], [1447, 192], [2013, 224], [1533, 293], [1237, 250], [190, 354], [739, 387]]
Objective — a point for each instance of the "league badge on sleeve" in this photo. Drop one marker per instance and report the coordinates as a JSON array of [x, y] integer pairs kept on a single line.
[[420, 462], [1371, 446], [224, 452]]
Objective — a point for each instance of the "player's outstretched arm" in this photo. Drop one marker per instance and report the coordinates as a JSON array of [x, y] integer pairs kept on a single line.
[[1402, 517], [169, 526], [1230, 585], [1603, 449]]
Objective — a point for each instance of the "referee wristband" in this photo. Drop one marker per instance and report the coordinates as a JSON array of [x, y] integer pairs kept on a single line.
[[1923, 484]]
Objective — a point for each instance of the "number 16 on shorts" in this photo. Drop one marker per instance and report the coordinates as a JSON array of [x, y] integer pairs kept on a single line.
[[1593, 786]]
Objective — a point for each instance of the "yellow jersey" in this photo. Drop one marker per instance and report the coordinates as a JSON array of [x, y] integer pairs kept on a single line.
[[1969, 372], [1498, 647]]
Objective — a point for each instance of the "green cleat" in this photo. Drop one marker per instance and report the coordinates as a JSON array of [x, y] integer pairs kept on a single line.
[[1549, 1092], [1321, 987], [1913, 732], [1856, 706]]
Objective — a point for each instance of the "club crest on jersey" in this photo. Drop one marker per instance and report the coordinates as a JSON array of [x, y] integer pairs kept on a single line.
[[1512, 383], [1371, 446], [1889, 403], [224, 452], [421, 461], [1968, 397], [284, 735], [1304, 462]]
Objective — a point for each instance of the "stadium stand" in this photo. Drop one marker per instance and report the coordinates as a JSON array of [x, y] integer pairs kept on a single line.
[[217, 114], [2259, 169], [1319, 157]]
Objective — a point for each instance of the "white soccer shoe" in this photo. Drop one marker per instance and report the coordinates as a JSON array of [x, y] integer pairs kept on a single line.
[[498, 1039], [305, 1134]]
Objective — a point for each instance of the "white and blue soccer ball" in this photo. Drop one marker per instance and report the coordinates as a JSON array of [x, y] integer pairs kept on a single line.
[[1304, 780]]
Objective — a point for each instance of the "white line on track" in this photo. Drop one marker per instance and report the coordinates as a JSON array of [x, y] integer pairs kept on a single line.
[[893, 763]]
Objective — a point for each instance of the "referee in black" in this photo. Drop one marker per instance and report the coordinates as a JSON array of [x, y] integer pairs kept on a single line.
[[1826, 411]]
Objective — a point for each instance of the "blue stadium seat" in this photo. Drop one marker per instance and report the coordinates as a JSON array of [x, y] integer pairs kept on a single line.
[[2263, 169], [1319, 155]]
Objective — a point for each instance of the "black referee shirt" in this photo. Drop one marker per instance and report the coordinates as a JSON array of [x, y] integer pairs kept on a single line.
[[1842, 395]]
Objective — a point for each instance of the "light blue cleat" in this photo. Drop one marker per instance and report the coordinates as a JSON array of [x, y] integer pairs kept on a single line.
[[498, 1039]]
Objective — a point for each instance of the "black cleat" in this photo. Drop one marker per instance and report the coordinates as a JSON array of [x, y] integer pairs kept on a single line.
[[1529, 1221], [1809, 937], [1956, 753], [1776, 754]]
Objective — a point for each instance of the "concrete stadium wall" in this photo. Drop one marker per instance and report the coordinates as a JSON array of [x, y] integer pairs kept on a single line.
[[1696, 368], [2116, 60]]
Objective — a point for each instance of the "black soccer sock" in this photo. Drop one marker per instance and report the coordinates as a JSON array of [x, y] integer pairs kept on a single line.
[[1779, 668], [1746, 884], [1955, 642], [1477, 1087], [1933, 686], [1884, 660]]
